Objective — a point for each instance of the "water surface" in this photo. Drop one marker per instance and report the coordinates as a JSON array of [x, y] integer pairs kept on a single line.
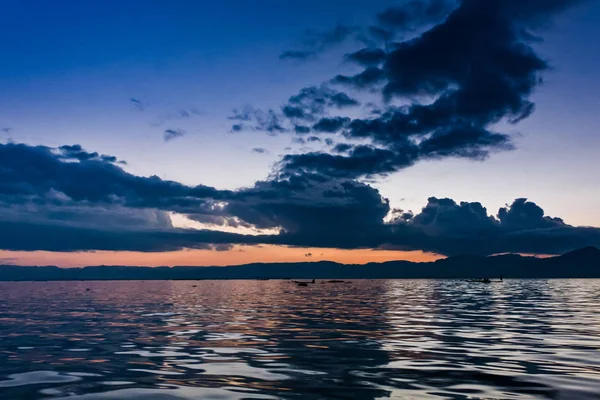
[[521, 339]]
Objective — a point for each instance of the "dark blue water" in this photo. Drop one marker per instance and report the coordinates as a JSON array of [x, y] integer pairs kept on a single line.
[[522, 339]]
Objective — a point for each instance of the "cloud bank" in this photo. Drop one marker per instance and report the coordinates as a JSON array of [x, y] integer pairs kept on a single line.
[[58, 200]]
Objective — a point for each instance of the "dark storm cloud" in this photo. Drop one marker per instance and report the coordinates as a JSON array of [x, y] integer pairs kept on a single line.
[[32, 237], [451, 228], [470, 67], [362, 80], [342, 148], [52, 202], [367, 56], [301, 129], [31, 172], [330, 124], [362, 160], [312, 209], [170, 134], [313, 101]]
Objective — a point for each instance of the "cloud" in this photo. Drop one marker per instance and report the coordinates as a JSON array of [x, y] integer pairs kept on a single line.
[[297, 55], [440, 93], [137, 104], [29, 173], [330, 124], [301, 129], [367, 56], [309, 104], [362, 160], [76, 152], [257, 120], [468, 66], [51, 202], [182, 114], [315, 42], [313, 101], [465, 66], [365, 79], [408, 16], [260, 150], [414, 13], [170, 134], [451, 228]]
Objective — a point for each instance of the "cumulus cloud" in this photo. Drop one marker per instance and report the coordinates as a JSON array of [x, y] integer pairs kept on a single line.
[[467, 66], [51, 202]]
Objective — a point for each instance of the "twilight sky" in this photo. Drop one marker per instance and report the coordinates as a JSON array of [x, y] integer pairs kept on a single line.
[[215, 133]]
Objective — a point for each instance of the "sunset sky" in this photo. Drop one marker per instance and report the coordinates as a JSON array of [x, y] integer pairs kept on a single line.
[[220, 133]]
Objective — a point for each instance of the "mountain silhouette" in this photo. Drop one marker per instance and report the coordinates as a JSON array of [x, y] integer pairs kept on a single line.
[[582, 263]]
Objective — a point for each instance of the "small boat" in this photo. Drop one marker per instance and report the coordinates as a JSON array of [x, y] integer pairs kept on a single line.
[[335, 281], [300, 283], [484, 280]]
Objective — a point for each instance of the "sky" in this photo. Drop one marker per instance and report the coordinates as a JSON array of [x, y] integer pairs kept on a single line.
[[219, 133]]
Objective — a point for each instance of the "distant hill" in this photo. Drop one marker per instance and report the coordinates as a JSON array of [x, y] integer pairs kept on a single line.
[[582, 263]]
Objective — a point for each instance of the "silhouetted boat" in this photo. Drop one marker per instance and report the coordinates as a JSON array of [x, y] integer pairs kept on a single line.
[[335, 281], [300, 283]]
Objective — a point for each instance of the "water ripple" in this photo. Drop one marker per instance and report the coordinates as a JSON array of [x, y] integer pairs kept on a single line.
[[522, 339]]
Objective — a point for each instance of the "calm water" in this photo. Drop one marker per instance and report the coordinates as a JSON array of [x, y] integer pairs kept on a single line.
[[519, 339]]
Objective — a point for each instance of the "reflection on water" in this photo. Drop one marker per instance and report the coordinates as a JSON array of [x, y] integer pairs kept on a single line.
[[270, 339]]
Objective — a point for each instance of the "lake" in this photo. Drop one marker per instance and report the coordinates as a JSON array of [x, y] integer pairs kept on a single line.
[[414, 339]]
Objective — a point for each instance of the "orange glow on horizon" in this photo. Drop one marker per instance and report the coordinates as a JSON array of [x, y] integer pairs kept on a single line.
[[236, 256]]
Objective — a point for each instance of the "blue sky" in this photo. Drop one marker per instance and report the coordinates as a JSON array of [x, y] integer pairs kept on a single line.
[[70, 69]]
